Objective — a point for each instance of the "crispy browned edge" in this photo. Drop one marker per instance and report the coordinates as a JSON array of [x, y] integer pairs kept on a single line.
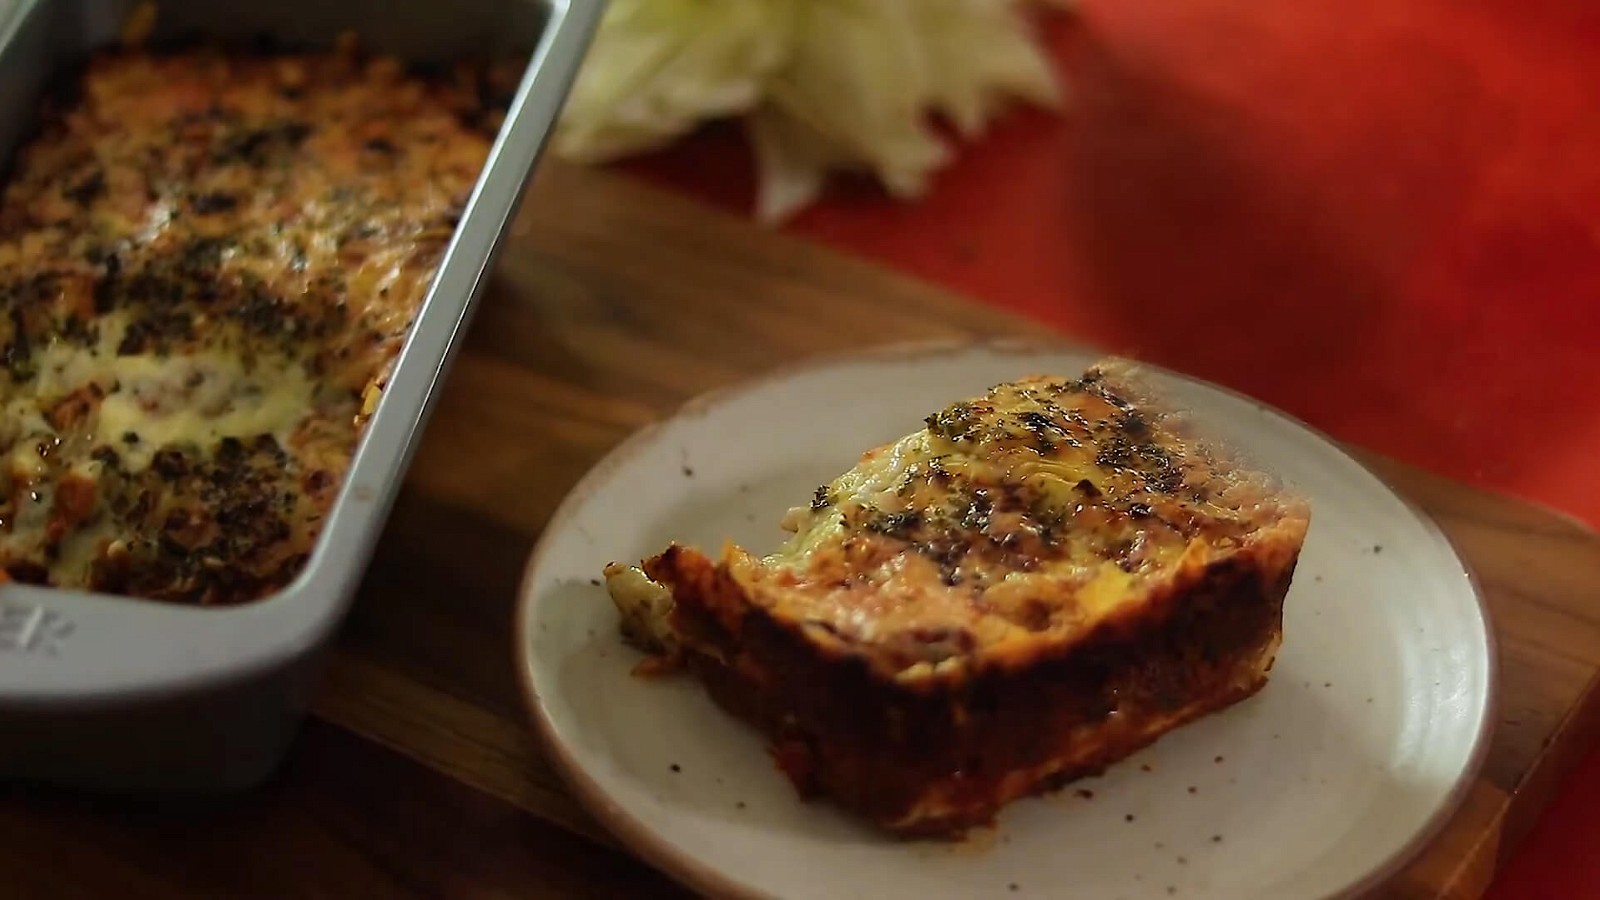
[[972, 742]]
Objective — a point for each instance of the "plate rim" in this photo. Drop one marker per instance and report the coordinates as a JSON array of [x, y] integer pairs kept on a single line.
[[658, 852]]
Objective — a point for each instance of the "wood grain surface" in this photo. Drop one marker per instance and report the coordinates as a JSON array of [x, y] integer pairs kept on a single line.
[[612, 305]]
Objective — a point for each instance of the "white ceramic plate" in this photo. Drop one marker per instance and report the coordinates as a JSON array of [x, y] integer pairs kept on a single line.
[[1331, 777]]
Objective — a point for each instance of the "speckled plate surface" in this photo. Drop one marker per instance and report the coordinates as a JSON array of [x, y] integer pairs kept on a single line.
[[1330, 778]]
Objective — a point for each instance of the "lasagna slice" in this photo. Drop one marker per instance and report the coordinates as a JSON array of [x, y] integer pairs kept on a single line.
[[1041, 581]]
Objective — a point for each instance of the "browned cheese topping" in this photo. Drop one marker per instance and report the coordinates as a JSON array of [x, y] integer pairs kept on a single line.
[[1017, 519], [1032, 511], [209, 261]]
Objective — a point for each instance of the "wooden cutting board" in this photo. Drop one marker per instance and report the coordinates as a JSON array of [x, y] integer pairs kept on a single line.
[[612, 305]]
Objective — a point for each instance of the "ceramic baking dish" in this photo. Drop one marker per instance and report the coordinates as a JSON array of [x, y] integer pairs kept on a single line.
[[111, 693]]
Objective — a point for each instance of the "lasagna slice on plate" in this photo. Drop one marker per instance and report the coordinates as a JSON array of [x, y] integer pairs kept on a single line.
[[1039, 582]]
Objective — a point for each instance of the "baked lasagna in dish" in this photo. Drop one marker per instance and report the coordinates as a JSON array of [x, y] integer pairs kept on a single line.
[[1041, 581], [209, 260]]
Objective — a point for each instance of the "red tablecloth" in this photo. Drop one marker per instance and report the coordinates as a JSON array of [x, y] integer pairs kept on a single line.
[[1381, 215]]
